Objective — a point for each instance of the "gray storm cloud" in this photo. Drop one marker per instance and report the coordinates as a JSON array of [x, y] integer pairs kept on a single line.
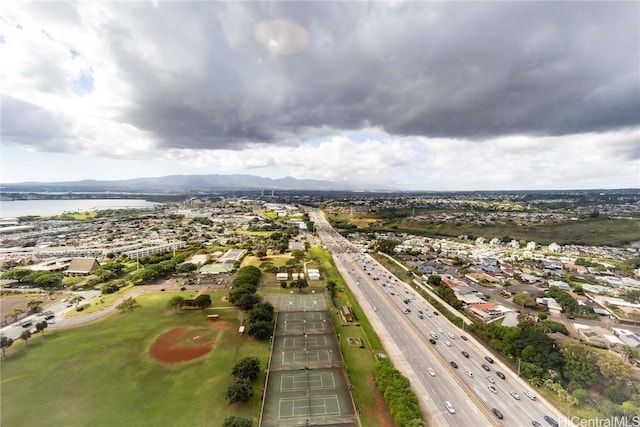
[[232, 74]]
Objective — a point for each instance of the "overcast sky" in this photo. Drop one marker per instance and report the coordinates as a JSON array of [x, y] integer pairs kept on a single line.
[[412, 95]]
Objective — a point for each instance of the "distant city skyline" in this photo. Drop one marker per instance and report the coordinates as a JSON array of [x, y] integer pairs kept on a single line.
[[440, 96]]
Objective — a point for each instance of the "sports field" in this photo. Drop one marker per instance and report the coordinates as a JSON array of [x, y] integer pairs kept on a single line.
[[108, 373]]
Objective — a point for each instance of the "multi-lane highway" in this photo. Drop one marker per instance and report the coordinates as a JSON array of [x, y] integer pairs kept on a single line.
[[408, 322]]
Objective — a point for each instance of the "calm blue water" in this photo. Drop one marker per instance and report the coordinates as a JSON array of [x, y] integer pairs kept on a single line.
[[12, 209]]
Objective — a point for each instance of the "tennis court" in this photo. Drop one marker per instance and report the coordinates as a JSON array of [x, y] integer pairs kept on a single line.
[[306, 382]]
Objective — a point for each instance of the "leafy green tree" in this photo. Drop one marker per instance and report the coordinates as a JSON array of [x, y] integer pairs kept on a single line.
[[301, 284], [260, 329], [615, 369], [129, 304], [5, 343], [524, 299], [434, 280], [331, 286], [203, 301], [262, 311], [250, 271], [25, 335], [261, 253], [244, 298], [186, 267], [630, 409], [176, 302], [239, 390], [34, 305], [543, 315], [16, 274], [297, 254], [386, 246], [268, 266], [247, 367], [579, 364], [76, 300], [144, 275], [48, 280], [41, 326], [234, 421]]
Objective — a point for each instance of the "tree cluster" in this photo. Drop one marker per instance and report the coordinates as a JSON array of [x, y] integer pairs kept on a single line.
[[202, 301], [443, 291], [245, 371], [43, 279], [260, 322], [246, 282], [400, 399]]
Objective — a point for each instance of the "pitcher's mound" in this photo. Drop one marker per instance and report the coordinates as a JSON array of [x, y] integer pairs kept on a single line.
[[182, 344]]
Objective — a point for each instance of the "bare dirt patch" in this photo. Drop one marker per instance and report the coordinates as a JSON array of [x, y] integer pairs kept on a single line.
[[182, 344], [379, 412]]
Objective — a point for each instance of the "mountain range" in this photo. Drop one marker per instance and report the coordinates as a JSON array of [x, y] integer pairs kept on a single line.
[[181, 183]]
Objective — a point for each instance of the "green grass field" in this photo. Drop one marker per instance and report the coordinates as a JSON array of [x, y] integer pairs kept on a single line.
[[589, 231], [103, 375]]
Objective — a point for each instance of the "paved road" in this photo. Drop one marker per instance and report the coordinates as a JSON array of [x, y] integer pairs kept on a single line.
[[386, 299], [59, 309]]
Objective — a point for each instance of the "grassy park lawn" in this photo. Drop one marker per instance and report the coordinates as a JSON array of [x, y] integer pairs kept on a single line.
[[103, 374]]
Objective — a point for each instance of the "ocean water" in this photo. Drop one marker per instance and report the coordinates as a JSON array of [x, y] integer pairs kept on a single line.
[[17, 208]]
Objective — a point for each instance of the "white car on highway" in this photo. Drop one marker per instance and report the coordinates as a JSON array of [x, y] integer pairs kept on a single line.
[[431, 372], [515, 395], [447, 343], [449, 407]]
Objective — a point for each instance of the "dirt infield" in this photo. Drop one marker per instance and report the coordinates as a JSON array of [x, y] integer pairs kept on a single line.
[[182, 344]]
